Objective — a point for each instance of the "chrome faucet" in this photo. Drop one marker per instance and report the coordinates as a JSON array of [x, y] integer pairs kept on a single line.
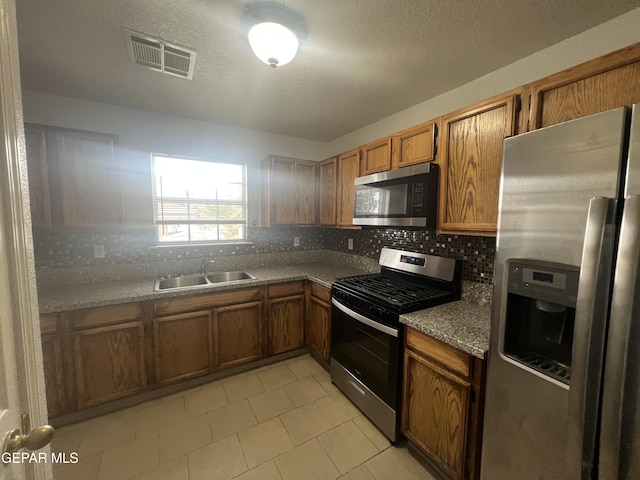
[[204, 265]]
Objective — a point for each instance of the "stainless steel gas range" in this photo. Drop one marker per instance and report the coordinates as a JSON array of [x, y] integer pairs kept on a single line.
[[367, 336]]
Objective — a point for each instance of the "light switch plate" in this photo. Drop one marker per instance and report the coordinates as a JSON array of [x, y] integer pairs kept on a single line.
[[350, 243], [98, 251], [296, 241]]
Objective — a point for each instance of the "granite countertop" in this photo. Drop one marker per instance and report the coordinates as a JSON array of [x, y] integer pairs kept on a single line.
[[95, 294], [463, 324]]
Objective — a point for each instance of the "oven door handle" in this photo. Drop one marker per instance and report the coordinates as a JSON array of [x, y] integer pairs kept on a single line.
[[367, 321]]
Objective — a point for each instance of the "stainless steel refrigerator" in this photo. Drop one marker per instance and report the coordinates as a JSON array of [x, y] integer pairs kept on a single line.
[[563, 378]]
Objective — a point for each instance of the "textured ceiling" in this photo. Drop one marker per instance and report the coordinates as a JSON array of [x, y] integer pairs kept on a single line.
[[362, 60]]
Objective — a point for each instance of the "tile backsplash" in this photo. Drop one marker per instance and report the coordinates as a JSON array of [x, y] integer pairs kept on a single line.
[[63, 248]]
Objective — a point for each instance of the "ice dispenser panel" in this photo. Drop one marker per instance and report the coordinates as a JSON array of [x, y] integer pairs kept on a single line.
[[541, 307]]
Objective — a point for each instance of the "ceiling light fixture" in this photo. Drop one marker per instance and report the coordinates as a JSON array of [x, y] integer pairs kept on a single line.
[[274, 32]]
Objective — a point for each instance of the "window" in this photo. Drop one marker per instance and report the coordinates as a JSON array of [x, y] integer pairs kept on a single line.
[[199, 200]]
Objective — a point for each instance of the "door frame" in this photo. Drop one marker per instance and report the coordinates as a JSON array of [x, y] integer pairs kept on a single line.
[[17, 236]]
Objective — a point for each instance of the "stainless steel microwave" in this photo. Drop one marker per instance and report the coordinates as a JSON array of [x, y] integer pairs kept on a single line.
[[405, 197]]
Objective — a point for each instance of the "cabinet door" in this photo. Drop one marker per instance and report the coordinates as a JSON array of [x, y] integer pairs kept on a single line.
[[607, 82], [109, 363], [38, 168], [182, 346], [318, 327], [435, 410], [471, 160], [328, 186], [305, 199], [283, 193], [376, 156], [414, 145], [348, 171], [54, 375], [90, 181], [237, 334], [286, 323]]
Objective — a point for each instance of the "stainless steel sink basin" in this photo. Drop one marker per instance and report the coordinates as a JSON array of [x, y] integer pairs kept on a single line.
[[181, 282], [192, 281], [219, 277]]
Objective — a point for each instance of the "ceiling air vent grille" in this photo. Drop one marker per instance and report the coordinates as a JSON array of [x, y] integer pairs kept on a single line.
[[159, 55]]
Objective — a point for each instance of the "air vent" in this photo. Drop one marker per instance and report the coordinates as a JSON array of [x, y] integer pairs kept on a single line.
[[159, 55]]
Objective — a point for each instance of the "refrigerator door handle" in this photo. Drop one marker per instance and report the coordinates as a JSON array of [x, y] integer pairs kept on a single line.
[[589, 335], [621, 379]]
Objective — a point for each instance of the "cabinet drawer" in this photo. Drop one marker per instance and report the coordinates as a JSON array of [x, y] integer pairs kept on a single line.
[[100, 316], [285, 289], [203, 302], [48, 323], [448, 356], [320, 292]]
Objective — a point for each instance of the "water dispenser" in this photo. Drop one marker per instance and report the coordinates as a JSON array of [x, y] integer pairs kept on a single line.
[[541, 307]]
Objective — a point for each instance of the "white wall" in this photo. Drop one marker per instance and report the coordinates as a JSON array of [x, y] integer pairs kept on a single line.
[[141, 133], [600, 40]]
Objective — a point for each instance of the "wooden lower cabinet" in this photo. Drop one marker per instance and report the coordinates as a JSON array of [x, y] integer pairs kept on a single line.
[[442, 404], [183, 347], [53, 375], [285, 316], [318, 324], [96, 355], [237, 334], [109, 363]]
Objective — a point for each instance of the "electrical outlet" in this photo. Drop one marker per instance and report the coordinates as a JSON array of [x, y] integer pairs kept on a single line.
[[98, 251], [350, 243], [296, 241]]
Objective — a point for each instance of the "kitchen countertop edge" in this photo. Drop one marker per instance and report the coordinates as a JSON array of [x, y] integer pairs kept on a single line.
[[462, 324], [66, 298]]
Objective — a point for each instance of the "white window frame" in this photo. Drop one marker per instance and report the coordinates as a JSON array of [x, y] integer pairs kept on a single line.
[[157, 198]]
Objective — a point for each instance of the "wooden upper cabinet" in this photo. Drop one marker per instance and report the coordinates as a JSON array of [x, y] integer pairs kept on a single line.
[[414, 145], [376, 156], [470, 159], [38, 168], [283, 188], [327, 186], [607, 82], [288, 191], [348, 171], [305, 195], [90, 179], [75, 178]]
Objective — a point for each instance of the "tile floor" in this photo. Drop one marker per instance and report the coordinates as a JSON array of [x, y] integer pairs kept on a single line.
[[285, 421]]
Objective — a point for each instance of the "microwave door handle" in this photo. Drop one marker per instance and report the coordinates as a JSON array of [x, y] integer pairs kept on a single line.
[[623, 350], [589, 335]]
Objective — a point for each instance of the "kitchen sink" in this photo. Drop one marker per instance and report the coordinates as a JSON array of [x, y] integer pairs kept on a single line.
[[192, 281], [219, 277]]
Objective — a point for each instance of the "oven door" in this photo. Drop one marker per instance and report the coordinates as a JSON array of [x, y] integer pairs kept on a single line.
[[369, 350]]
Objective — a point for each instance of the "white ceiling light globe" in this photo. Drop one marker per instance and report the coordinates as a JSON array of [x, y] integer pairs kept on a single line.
[[272, 43]]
